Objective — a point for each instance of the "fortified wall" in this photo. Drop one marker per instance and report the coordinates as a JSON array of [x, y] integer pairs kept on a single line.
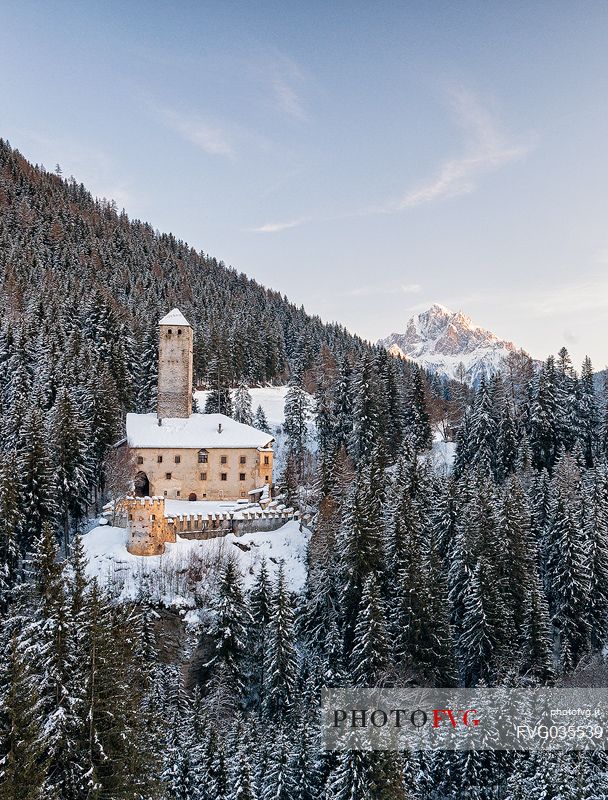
[[149, 529]]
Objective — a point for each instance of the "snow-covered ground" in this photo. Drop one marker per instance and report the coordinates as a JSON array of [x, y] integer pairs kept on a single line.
[[186, 575], [442, 453]]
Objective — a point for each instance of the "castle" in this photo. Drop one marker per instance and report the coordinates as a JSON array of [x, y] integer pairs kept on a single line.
[[181, 456]]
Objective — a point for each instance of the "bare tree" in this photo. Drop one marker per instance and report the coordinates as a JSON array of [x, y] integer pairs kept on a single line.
[[119, 469]]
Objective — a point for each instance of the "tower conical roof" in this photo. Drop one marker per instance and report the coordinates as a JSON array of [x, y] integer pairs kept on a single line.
[[174, 317]]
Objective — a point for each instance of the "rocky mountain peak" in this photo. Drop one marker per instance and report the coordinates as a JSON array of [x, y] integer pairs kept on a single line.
[[448, 342]]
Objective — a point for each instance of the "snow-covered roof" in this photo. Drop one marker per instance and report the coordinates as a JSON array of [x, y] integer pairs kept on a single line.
[[174, 317], [197, 430]]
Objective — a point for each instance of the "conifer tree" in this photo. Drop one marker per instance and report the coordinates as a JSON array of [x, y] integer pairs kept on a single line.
[[567, 564], [226, 667], [242, 411], [297, 413], [23, 756], [260, 422], [36, 479], [71, 461], [370, 659], [281, 659]]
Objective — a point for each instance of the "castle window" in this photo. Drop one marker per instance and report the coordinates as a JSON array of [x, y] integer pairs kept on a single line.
[[179, 331], [178, 459], [203, 476], [266, 478], [165, 492], [177, 493], [130, 517], [159, 459], [243, 460], [266, 460], [243, 494], [241, 476], [140, 459], [203, 457], [168, 476], [224, 460], [152, 517], [169, 331], [224, 476]]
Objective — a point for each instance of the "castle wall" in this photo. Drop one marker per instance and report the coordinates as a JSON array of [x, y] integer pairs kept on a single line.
[[149, 529], [175, 371], [186, 476]]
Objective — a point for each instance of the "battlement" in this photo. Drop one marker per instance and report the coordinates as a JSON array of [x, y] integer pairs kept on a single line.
[[150, 527], [146, 525]]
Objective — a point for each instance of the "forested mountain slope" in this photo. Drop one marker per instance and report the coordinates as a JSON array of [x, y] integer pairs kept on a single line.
[[77, 269]]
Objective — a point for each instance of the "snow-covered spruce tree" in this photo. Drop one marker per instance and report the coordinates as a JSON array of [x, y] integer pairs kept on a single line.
[[484, 431], [595, 514], [179, 773], [72, 461], [586, 420], [36, 487], [224, 676], [241, 403], [281, 666], [543, 422], [243, 787], [366, 423], [320, 602], [297, 414], [566, 554], [260, 608], [23, 756], [146, 376], [259, 421], [507, 445], [390, 406], [477, 640], [359, 548], [370, 656], [278, 783], [11, 526], [417, 421], [219, 400]]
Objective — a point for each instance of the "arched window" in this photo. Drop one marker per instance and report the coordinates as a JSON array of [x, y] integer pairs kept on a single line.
[[203, 456]]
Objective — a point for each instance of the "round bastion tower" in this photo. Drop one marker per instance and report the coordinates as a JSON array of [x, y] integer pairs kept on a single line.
[[174, 366]]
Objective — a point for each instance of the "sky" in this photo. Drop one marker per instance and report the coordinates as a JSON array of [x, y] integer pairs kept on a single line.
[[365, 159]]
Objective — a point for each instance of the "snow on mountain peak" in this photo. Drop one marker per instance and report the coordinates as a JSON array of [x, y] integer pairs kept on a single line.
[[448, 342]]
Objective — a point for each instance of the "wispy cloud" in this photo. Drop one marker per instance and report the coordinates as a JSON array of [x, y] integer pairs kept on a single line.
[[276, 227], [288, 99], [287, 82], [582, 296], [488, 148], [208, 136]]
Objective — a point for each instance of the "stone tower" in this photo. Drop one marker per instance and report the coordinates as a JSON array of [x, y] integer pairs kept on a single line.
[[174, 366]]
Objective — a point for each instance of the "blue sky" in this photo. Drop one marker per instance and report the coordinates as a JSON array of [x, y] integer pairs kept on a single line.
[[366, 159]]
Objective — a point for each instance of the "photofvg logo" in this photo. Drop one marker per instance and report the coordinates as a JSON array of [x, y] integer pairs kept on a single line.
[[465, 719]]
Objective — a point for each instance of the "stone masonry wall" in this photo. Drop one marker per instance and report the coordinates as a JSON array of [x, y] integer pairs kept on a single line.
[[175, 371]]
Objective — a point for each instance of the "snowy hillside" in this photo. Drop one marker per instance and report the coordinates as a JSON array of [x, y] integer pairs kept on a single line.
[[186, 574], [448, 342]]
